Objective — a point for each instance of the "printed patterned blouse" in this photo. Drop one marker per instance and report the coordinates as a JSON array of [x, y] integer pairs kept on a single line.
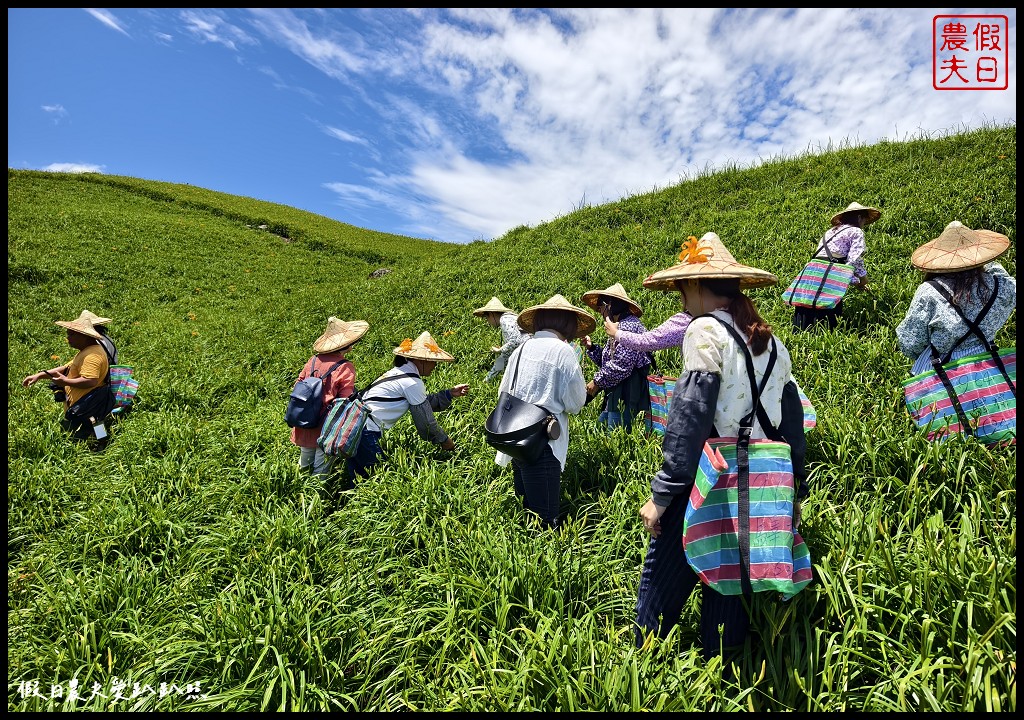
[[845, 241], [615, 361]]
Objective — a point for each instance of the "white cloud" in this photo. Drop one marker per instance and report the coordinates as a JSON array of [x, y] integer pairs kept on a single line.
[[107, 18], [73, 168]]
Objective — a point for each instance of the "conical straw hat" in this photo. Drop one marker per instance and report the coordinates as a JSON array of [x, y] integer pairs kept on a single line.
[[81, 324], [873, 213], [592, 297], [708, 259], [339, 334], [585, 322], [423, 348], [959, 248], [96, 319], [493, 305]]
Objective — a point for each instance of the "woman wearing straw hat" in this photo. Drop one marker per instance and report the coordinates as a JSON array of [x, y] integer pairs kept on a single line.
[[961, 261], [499, 316], [711, 395], [545, 371], [331, 364], [845, 242], [400, 390], [82, 382], [622, 371]]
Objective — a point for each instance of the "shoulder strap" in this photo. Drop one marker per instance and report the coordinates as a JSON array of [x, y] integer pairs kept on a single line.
[[331, 369], [362, 393], [747, 422], [824, 244], [973, 326]]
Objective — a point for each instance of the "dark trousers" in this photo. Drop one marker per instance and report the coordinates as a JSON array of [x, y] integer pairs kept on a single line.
[[365, 458], [807, 318], [666, 583], [540, 485]]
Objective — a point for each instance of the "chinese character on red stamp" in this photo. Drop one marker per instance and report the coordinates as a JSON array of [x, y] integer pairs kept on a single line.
[[970, 52]]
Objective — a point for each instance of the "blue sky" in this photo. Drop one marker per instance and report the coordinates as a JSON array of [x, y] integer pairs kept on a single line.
[[459, 125]]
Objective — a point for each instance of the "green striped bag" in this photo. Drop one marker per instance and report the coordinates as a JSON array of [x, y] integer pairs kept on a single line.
[[722, 542]]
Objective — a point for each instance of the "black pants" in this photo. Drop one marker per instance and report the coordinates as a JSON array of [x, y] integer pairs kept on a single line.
[[540, 485], [807, 318], [666, 583]]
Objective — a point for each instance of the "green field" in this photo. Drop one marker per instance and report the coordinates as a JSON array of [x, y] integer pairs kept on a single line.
[[191, 552]]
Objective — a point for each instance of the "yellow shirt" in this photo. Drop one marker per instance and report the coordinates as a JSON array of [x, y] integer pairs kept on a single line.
[[91, 363]]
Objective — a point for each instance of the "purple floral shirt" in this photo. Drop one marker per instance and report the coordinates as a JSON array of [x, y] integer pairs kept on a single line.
[[615, 361], [845, 241], [667, 335]]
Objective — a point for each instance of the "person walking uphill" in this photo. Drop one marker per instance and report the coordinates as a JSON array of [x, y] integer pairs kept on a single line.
[[82, 385], [545, 371], [497, 315], [712, 398], [844, 242], [622, 372], [400, 390], [331, 364]]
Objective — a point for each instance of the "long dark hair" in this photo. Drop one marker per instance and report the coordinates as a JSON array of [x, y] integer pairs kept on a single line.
[[964, 284], [743, 312]]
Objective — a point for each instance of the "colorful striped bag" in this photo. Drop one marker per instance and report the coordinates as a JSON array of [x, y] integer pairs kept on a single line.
[[974, 395], [738, 532], [660, 389], [346, 418], [343, 426], [821, 284], [124, 386], [722, 542]]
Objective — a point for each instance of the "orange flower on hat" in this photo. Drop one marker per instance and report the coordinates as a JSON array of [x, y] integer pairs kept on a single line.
[[406, 345], [432, 347], [694, 253]]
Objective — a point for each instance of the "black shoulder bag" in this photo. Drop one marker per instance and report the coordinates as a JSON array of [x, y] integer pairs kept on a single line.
[[516, 427]]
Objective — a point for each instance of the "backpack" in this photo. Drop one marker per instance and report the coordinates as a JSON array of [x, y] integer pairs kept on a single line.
[[306, 402], [346, 418]]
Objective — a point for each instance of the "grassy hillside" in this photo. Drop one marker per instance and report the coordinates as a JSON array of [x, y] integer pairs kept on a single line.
[[192, 552]]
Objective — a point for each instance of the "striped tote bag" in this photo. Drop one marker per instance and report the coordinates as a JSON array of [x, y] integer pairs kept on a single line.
[[660, 389], [343, 427], [975, 395], [725, 544], [820, 285], [124, 386]]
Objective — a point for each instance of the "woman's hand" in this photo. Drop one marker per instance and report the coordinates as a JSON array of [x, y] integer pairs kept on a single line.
[[798, 514], [448, 445], [612, 328], [459, 390], [31, 380], [586, 341], [592, 388], [651, 514]]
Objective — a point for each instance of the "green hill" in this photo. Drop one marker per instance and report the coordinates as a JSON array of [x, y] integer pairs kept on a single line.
[[192, 551]]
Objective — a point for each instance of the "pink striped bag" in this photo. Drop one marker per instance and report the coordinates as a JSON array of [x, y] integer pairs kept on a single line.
[[721, 544]]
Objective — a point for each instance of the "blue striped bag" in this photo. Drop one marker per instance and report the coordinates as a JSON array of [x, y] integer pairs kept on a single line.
[[975, 395], [721, 546], [660, 389], [124, 386], [343, 426]]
